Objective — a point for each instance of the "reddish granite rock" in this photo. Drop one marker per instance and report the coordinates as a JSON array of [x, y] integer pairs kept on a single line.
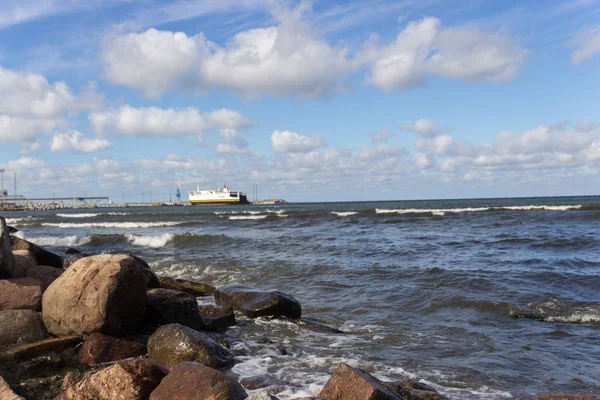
[[99, 348], [43, 256], [44, 273], [217, 318], [24, 260], [125, 380], [256, 303], [20, 326], [563, 396], [193, 381], [21, 294], [348, 383]]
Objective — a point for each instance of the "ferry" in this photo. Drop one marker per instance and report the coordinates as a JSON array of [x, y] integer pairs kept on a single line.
[[217, 196]]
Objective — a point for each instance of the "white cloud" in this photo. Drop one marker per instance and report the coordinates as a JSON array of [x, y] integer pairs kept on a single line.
[[75, 140], [291, 142], [587, 126], [154, 121], [25, 164], [382, 136], [424, 127], [425, 48], [19, 130], [586, 44]]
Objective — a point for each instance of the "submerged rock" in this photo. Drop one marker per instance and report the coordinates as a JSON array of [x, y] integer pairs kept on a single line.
[[21, 294], [175, 343], [99, 348], [271, 383], [217, 318], [257, 303], [166, 306], [104, 293], [194, 288], [413, 390], [43, 256], [125, 380], [24, 260], [348, 383], [7, 259], [193, 381], [20, 326]]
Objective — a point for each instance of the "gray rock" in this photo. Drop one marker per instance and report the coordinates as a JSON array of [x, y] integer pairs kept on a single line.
[[256, 303], [20, 326]]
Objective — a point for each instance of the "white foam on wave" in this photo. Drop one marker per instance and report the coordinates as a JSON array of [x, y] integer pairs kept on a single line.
[[434, 211], [481, 393], [67, 241], [542, 207], [83, 215], [154, 242], [13, 221], [233, 217], [124, 225], [344, 213]]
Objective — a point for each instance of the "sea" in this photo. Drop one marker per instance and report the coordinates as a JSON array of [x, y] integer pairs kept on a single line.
[[478, 298]]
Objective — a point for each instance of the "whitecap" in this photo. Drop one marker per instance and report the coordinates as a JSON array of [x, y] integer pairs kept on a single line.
[[434, 211], [153, 242], [67, 241], [123, 225], [84, 215], [542, 207], [344, 213], [248, 217]]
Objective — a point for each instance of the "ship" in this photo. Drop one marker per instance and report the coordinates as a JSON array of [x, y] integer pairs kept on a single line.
[[217, 196]]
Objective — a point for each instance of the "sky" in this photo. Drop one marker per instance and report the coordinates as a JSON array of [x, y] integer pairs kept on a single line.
[[321, 100]]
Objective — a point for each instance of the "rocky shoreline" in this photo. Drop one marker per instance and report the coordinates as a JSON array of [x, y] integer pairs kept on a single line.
[[83, 327]]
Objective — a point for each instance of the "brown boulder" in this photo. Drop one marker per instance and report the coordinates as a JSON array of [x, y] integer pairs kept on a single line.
[[152, 280], [563, 396], [271, 383], [166, 306], [7, 259], [348, 383], [6, 392], [104, 293], [413, 390], [43, 256], [256, 303], [24, 260], [175, 343], [193, 381], [125, 380], [196, 289], [20, 326], [43, 273], [99, 348], [217, 318], [21, 294]]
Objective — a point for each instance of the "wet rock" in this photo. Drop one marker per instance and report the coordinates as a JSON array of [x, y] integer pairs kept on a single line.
[[43, 273], [104, 293], [6, 392], [43, 256], [317, 326], [152, 280], [193, 381], [175, 343], [71, 259], [7, 259], [166, 306], [71, 250], [20, 326], [12, 229], [217, 318], [348, 383], [563, 396], [196, 289], [125, 380], [256, 303], [21, 294], [99, 348], [271, 383], [39, 348], [40, 387], [413, 390], [24, 260]]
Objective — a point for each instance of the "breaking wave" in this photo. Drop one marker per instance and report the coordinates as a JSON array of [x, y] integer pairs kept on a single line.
[[123, 225], [67, 241], [233, 217], [84, 215], [153, 242], [344, 213], [553, 310], [444, 211]]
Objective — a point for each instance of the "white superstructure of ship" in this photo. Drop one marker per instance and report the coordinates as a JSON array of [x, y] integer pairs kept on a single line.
[[217, 196]]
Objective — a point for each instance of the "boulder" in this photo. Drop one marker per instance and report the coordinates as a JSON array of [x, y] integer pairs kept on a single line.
[[125, 380], [12, 229], [271, 383], [104, 293], [39, 348], [175, 343], [413, 390], [152, 280], [193, 381], [43, 256], [24, 260], [43, 273], [6, 392], [7, 259], [166, 306], [217, 318], [20, 326], [256, 303], [563, 396], [99, 348], [21, 294], [348, 383], [71, 259], [196, 289], [72, 250]]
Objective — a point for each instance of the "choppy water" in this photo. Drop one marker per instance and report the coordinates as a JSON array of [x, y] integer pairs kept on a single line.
[[483, 299]]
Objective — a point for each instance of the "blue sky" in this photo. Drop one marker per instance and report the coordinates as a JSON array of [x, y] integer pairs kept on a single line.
[[314, 101]]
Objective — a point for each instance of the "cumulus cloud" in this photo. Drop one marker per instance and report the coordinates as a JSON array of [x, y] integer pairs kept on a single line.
[[75, 140], [424, 48], [292, 142], [382, 136], [154, 121], [586, 44], [424, 127], [18, 130]]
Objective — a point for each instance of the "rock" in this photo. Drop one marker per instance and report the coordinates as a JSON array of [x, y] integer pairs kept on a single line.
[[256, 303], [196, 289], [348, 383], [175, 343], [20, 326], [413, 390], [264, 395], [24, 260], [71, 250], [39, 348], [217, 318], [273, 384], [6, 392], [104, 293], [193, 381], [317, 326], [71, 259], [21, 294], [166, 306], [43, 256], [43, 273], [7, 259], [152, 280], [125, 380], [12, 229], [99, 348], [562, 396]]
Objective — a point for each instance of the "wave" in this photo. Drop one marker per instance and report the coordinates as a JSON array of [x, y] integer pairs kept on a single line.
[[124, 225], [67, 241], [541, 207], [85, 215], [553, 310], [153, 242], [444, 211], [344, 213], [234, 217]]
